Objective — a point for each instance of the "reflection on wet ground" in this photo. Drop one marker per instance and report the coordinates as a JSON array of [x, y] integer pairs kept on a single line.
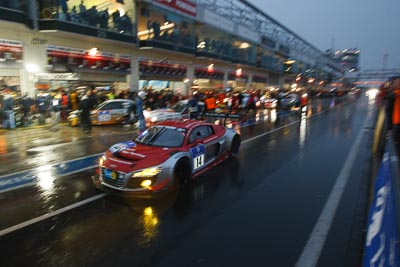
[[137, 230]]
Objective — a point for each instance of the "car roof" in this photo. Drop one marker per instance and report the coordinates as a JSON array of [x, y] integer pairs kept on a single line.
[[118, 100], [115, 100]]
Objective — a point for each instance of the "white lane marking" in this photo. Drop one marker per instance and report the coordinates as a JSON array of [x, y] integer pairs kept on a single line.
[[312, 250], [49, 215], [35, 182], [54, 164]]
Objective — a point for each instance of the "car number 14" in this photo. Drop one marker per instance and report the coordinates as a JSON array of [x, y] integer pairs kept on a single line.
[[197, 154], [198, 161]]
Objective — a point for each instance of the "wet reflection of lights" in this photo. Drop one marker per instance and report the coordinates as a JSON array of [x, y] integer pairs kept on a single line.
[[371, 94], [3, 145], [309, 112], [273, 116], [332, 103], [148, 211], [45, 179], [149, 221], [303, 130], [198, 192], [319, 108], [44, 157]]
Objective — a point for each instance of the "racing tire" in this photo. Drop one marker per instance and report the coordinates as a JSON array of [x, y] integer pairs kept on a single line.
[[235, 145], [182, 171]]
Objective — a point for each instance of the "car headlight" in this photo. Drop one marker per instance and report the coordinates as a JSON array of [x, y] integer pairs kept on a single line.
[[101, 160], [147, 173], [146, 183]]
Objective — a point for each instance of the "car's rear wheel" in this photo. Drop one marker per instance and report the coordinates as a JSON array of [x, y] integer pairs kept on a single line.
[[235, 145], [182, 171]]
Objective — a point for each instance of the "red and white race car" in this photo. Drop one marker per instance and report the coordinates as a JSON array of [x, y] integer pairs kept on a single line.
[[171, 151]]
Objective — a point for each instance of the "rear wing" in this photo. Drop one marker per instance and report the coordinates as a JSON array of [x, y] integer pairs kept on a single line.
[[223, 116]]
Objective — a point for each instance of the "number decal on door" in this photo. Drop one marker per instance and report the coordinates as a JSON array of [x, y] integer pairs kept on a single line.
[[104, 115], [198, 161], [198, 155]]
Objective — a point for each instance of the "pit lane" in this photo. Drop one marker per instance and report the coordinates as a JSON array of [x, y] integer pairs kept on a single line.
[[222, 188]]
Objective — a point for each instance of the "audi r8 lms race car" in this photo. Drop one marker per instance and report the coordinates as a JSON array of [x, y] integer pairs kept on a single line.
[[168, 153], [109, 112]]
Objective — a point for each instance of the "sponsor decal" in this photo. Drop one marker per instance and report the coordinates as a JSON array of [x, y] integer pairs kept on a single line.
[[121, 146], [183, 6], [104, 115], [109, 174], [381, 245]]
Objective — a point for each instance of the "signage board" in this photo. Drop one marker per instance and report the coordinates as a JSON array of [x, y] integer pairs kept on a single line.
[[184, 6], [10, 50]]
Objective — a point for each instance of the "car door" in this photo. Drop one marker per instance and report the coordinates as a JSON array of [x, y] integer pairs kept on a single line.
[[118, 111], [205, 147], [112, 112]]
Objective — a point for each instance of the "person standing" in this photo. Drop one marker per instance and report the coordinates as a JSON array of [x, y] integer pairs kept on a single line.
[[85, 105], [83, 13], [389, 100], [55, 109], [111, 95], [65, 105], [396, 112], [42, 105], [211, 103], [193, 106], [26, 103], [130, 114], [139, 110], [73, 99], [8, 107]]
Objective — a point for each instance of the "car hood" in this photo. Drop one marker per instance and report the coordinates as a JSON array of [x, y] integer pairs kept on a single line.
[[129, 155]]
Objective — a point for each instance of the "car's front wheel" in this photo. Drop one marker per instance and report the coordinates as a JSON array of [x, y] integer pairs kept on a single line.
[[182, 171], [235, 145]]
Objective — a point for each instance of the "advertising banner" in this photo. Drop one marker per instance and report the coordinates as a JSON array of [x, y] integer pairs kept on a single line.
[[60, 58], [381, 245], [185, 6], [10, 50]]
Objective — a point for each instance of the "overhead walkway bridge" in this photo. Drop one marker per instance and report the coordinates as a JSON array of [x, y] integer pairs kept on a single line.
[[371, 77], [272, 33]]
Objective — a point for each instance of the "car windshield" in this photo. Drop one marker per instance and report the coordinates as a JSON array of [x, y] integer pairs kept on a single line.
[[162, 136], [111, 105], [179, 107], [292, 97]]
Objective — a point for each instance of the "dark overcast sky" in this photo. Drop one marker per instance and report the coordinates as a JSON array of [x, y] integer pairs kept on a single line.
[[370, 25]]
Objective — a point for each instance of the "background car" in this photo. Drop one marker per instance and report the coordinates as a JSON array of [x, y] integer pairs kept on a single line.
[[176, 112], [270, 103], [166, 154], [109, 112], [290, 102]]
